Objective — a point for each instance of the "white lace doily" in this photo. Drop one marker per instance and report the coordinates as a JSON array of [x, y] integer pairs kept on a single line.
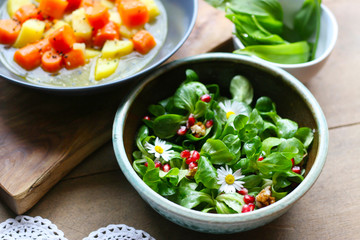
[[29, 228], [119, 232]]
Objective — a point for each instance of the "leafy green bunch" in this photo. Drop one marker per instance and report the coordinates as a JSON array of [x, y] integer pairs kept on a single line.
[[255, 141], [261, 28]]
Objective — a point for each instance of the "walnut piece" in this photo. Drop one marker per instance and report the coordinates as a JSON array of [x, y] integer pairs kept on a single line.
[[264, 198], [198, 129]]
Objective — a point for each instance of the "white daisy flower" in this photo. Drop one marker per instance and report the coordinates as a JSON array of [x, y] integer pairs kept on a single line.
[[160, 149], [229, 180], [231, 107]]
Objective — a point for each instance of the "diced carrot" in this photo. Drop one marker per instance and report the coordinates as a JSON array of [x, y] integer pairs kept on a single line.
[[133, 12], [75, 58], [109, 32], [51, 61], [143, 41], [43, 45], [62, 39], [97, 15], [28, 57], [26, 12], [73, 4], [9, 31], [53, 8]]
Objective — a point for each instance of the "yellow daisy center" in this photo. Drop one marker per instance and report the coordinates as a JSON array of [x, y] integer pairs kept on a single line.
[[228, 114], [159, 149], [229, 179]]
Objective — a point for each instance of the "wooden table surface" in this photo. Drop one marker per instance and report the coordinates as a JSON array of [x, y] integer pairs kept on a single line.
[[96, 193]]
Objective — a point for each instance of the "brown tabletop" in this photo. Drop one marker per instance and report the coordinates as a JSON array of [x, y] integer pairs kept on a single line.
[[96, 193]]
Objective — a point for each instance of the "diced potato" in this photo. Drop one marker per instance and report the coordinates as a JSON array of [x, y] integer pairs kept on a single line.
[[115, 17], [152, 8], [128, 32], [56, 26], [80, 46], [14, 5], [108, 4], [81, 26], [31, 31], [68, 18], [117, 48], [91, 53], [105, 68]]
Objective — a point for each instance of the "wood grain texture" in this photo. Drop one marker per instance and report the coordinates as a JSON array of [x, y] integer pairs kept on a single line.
[[43, 137]]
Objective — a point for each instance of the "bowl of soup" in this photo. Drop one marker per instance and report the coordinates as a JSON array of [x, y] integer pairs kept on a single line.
[[88, 45]]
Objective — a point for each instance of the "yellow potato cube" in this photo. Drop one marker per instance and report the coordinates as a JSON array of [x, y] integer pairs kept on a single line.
[[91, 53], [115, 17], [31, 31], [117, 48], [105, 68], [14, 5], [108, 4], [152, 8], [56, 26], [81, 26], [128, 32]]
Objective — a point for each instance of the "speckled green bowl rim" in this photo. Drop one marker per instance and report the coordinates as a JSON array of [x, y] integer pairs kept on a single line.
[[173, 208]]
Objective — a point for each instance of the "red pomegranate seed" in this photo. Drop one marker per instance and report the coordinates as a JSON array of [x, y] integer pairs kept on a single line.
[[185, 154], [296, 169], [193, 165], [209, 123], [147, 118], [293, 162], [195, 154], [166, 167], [249, 199], [190, 160], [182, 131], [205, 98], [248, 208], [157, 163], [260, 158], [191, 121], [243, 191], [146, 164]]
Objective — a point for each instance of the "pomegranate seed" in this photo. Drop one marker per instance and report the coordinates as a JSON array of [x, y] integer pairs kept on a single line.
[[190, 160], [248, 208], [191, 121], [185, 154], [195, 154], [243, 191], [205, 98], [166, 167], [147, 118], [209, 123], [157, 163], [296, 169], [182, 131], [293, 162], [260, 158], [193, 165], [249, 199], [146, 164]]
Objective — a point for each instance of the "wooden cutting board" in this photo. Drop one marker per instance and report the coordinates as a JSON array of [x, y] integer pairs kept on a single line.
[[44, 136]]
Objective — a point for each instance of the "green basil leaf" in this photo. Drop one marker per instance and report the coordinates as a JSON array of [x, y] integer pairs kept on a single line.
[[251, 181], [234, 201], [305, 135], [142, 135], [156, 110], [139, 166], [248, 132], [217, 152], [291, 53], [241, 89], [200, 109], [206, 173], [275, 162], [187, 95], [222, 208], [257, 120], [240, 121], [252, 147], [286, 128], [293, 145], [270, 143], [233, 143], [166, 126], [188, 197]]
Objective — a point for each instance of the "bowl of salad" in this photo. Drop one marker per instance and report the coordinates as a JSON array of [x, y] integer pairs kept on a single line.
[[219, 142], [85, 45], [297, 36]]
